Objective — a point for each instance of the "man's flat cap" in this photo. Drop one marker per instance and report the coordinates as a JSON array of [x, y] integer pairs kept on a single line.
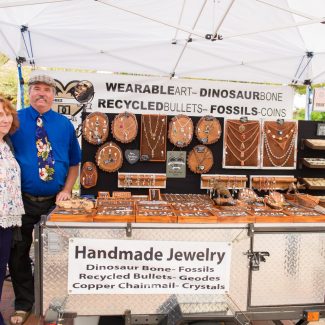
[[42, 78]]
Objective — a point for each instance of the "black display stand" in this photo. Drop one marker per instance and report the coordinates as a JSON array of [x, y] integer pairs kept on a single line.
[[191, 184]]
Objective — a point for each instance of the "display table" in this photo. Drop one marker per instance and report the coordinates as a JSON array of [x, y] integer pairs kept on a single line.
[[280, 266]]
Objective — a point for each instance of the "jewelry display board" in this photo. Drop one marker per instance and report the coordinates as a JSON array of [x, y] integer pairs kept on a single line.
[[279, 144], [200, 159], [109, 157], [141, 180], [95, 128], [125, 127], [180, 131], [241, 144], [153, 138], [208, 129], [191, 183]]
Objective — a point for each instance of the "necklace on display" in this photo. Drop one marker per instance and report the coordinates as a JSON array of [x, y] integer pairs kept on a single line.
[[253, 133], [125, 127], [241, 127], [160, 137], [282, 139], [203, 159], [180, 131], [242, 150]]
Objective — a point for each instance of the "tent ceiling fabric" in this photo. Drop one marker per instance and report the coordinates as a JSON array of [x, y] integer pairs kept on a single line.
[[262, 40]]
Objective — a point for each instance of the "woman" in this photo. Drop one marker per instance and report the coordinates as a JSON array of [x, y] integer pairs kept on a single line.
[[11, 205]]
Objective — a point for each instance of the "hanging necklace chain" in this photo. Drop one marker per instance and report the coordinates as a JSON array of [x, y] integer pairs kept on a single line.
[[153, 134], [182, 126], [250, 137], [242, 152], [160, 136], [286, 154], [122, 124], [242, 161]]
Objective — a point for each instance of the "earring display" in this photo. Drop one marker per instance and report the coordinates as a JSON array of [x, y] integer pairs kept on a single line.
[[270, 183], [208, 130], [88, 175], [95, 128], [209, 181], [143, 180], [153, 138], [109, 157], [200, 159], [180, 131], [125, 127], [241, 144], [279, 144]]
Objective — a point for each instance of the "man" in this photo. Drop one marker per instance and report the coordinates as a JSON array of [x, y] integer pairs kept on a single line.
[[48, 153]]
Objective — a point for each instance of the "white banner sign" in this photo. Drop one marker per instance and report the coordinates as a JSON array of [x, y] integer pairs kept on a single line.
[[153, 95], [102, 266]]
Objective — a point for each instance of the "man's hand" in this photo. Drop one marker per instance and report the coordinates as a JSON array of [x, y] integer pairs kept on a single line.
[[63, 196]]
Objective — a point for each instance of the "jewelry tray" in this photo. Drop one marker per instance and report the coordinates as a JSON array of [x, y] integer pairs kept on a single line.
[[314, 162], [317, 144]]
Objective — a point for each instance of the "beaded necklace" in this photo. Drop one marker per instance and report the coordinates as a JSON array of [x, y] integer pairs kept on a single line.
[[287, 152]]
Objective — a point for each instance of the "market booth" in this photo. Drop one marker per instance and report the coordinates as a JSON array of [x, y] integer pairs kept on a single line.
[[201, 199]]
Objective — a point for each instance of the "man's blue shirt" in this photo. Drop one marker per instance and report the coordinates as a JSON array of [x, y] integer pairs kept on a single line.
[[65, 146]]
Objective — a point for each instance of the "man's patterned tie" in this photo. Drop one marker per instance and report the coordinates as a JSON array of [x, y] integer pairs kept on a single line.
[[44, 152]]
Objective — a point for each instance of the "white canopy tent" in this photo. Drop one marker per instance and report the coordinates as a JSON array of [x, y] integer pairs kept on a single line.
[[269, 41]]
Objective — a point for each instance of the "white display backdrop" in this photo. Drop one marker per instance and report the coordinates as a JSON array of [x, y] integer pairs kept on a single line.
[[103, 266], [149, 95]]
